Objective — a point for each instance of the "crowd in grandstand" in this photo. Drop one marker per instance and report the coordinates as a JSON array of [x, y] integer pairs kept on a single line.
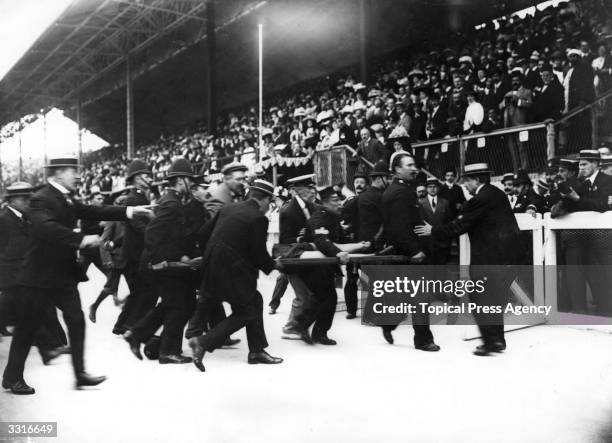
[[510, 72]]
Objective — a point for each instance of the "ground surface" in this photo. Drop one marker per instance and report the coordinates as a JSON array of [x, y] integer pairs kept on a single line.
[[553, 384]]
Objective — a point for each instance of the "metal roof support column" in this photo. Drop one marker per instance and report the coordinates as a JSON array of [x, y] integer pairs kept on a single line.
[[79, 129], [365, 40], [129, 99], [211, 67]]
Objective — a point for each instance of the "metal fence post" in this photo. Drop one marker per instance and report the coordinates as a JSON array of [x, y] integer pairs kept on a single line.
[[550, 140], [461, 155]]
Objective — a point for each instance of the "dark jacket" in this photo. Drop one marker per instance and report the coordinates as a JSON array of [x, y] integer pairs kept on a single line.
[[234, 243], [166, 236], [292, 220], [373, 150], [133, 240], [323, 229], [13, 245], [454, 195], [371, 217], [401, 213], [549, 101], [491, 226], [595, 197], [581, 89], [50, 261], [113, 257], [435, 217], [350, 216]]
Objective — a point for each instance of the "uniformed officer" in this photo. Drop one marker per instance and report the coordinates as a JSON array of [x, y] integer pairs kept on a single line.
[[522, 189], [141, 298], [234, 243], [50, 273], [401, 214], [494, 244], [324, 230], [167, 240]]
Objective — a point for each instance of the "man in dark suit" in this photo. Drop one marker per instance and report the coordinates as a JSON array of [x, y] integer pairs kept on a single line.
[[14, 242], [370, 208], [579, 91], [167, 240], [370, 148], [50, 272], [436, 211], [494, 241], [452, 192], [595, 250], [234, 243], [401, 214], [141, 298], [548, 99], [292, 221], [350, 216]]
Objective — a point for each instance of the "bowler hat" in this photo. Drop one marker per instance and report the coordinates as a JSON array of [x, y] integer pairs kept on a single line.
[[522, 178]]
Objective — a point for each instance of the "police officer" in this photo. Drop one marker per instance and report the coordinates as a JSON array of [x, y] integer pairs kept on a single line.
[[167, 240], [141, 298], [401, 214], [324, 230]]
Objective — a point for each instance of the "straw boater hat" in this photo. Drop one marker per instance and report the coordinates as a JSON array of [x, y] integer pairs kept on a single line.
[[476, 169], [589, 154], [63, 162]]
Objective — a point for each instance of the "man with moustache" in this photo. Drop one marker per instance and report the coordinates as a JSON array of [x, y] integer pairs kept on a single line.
[[401, 214], [494, 244], [50, 272], [230, 191]]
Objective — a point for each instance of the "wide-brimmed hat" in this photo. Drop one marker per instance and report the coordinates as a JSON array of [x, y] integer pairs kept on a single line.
[[18, 189], [63, 162], [476, 169]]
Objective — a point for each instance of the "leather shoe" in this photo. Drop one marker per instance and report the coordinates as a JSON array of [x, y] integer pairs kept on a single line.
[[324, 340], [134, 345], [119, 331], [351, 316], [174, 359], [229, 341], [485, 350], [197, 351], [296, 334], [388, 336], [5, 332], [85, 379], [51, 354], [429, 347], [19, 387], [264, 358], [272, 311], [92, 313]]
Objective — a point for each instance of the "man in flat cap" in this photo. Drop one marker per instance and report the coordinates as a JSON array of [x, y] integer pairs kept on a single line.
[[234, 244], [50, 273], [231, 190]]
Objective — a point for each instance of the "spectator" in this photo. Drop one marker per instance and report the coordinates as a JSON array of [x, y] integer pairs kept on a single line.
[[548, 99], [516, 106]]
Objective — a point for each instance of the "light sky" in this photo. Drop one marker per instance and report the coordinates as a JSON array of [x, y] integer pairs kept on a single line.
[[21, 23]]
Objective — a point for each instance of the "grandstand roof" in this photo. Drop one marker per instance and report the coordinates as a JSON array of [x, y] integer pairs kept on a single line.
[[83, 53]]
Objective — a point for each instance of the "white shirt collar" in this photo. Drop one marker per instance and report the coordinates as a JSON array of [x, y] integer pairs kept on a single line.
[[15, 211], [431, 198], [593, 177], [59, 187]]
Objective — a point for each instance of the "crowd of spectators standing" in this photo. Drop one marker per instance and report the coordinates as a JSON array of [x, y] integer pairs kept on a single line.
[[508, 72]]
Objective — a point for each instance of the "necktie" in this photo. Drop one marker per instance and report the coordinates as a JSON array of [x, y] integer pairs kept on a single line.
[[588, 185], [433, 203]]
